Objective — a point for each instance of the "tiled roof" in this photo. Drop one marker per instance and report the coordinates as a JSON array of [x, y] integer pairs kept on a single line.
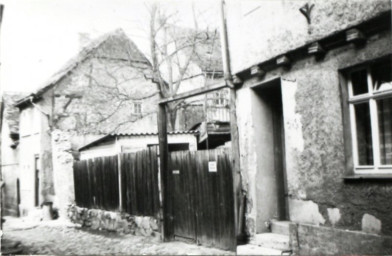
[[11, 113]]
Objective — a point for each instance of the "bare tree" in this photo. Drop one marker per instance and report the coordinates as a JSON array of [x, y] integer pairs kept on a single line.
[[101, 97], [112, 86], [172, 51]]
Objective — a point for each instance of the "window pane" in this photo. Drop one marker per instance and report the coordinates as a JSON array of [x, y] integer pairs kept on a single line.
[[382, 75], [364, 134], [359, 81], [384, 107]]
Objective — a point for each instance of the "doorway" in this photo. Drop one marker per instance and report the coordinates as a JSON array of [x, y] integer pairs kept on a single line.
[[36, 180], [270, 151], [202, 197]]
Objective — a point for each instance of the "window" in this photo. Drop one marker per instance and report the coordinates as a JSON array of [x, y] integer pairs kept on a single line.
[[370, 110], [220, 98], [137, 108]]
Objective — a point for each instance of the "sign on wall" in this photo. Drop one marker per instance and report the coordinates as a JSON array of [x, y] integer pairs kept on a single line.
[[212, 166]]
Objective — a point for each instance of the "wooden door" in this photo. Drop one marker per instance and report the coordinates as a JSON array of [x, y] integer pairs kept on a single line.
[[184, 211], [202, 197]]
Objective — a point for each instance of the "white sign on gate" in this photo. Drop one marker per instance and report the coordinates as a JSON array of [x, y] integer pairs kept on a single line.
[[212, 166], [176, 171]]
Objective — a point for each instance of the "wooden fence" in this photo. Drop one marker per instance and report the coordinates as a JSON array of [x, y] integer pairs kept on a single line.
[[97, 183], [139, 179], [199, 191]]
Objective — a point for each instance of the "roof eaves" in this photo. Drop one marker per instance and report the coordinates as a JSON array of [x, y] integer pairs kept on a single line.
[[113, 135], [95, 142], [26, 100]]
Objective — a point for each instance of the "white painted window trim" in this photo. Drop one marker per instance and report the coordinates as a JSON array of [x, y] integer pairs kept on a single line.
[[371, 98]]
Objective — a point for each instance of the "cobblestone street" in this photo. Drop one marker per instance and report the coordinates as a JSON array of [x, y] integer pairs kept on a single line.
[[59, 238]]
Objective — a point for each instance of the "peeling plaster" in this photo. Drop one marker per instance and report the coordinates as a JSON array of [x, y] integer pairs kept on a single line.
[[371, 224], [305, 212], [333, 215]]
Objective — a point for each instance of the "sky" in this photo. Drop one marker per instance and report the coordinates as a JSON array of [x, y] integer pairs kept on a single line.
[[38, 36]]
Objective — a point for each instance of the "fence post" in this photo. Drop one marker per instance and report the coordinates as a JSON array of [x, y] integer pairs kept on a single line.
[[120, 206]]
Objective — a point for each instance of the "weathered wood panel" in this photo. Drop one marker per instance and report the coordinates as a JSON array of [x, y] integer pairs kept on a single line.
[[139, 179], [202, 197], [96, 183]]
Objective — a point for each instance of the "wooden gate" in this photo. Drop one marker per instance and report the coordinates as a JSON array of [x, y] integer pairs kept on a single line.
[[202, 197]]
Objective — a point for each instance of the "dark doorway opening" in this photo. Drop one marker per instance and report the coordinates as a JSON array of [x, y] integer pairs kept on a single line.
[[17, 197], [36, 180], [271, 177]]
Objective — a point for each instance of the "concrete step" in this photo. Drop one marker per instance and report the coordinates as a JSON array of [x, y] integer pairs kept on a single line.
[[280, 227], [251, 249], [271, 240]]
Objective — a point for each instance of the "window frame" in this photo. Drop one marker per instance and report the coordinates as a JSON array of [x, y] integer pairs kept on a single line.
[[134, 108], [349, 119]]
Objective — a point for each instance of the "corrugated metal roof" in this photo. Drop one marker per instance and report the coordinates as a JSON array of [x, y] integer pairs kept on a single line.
[[151, 133], [114, 135]]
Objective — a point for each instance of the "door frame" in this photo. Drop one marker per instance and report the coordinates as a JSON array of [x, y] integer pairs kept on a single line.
[[278, 81]]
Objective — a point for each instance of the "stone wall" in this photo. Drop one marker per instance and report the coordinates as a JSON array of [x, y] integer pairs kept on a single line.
[[334, 241], [114, 221], [62, 171]]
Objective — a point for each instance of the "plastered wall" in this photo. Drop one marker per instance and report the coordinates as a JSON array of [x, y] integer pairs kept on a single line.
[[317, 193], [259, 30]]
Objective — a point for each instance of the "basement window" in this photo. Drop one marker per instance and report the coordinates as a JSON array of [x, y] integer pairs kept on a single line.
[[370, 111]]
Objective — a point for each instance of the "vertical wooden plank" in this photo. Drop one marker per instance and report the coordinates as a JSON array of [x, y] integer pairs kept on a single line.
[[214, 199], [154, 170], [125, 180], [203, 236], [106, 183], [119, 173], [76, 184], [115, 202], [125, 177], [98, 184], [91, 177], [134, 176]]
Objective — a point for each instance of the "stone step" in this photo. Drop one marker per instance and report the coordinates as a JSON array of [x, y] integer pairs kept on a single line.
[[251, 249], [271, 240], [280, 227]]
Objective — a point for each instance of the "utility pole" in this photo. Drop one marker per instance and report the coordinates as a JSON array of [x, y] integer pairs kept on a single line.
[[238, 197]]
